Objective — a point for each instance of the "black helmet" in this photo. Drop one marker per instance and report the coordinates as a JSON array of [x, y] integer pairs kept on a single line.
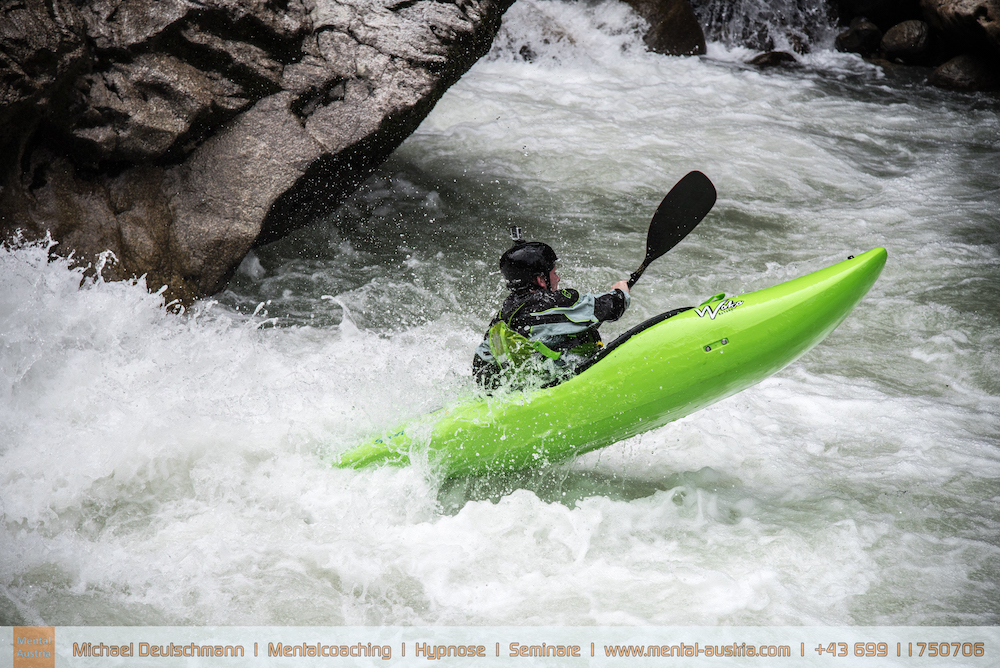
[[525, 260]]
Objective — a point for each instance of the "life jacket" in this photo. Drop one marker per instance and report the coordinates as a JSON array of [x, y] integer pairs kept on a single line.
[[521, 362], [510, 348], [538, 338]]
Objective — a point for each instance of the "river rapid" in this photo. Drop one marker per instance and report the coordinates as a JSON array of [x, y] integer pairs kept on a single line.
[[159, 468]]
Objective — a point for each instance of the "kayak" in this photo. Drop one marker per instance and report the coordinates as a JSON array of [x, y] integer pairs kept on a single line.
[[659, 371]]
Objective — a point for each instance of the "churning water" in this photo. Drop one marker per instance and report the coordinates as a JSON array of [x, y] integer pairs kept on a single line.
[[158, 468]]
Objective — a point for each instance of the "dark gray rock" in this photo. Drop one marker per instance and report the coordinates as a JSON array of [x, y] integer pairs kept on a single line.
[[144, 109], [673, 27], [883, 13], [862, 37], [39, 51], [966, 28], [966, 73], [179, 134], [773, 59], [907, 42], [975, 24]]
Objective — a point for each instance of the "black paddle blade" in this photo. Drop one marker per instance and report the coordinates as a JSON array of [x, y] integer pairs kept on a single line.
[[680, 212]]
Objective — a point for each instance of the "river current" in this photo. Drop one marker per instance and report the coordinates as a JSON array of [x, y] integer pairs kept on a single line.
[[172, 469]]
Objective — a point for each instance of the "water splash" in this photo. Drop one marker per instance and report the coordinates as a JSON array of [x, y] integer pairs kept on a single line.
[[767, 25]]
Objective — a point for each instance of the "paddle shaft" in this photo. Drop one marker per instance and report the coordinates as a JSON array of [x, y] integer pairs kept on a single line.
[[637, 274]]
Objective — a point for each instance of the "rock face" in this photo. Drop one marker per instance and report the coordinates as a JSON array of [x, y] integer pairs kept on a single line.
[[179, 134]]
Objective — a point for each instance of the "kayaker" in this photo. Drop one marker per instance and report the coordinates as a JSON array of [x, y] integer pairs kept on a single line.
[[541, 333]]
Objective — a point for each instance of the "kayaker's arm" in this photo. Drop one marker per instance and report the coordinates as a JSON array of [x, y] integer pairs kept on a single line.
[[612, 305]]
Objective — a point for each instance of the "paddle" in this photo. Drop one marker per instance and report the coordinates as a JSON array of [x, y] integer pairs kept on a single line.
[[680, 211]]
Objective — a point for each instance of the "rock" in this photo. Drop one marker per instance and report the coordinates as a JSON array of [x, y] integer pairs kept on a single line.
[[40, 49], [180, 134], [966, 73], [907, 42], [883, 13], [862, 37], [673, 27], [773, 59], [147, 108], [975, 24]]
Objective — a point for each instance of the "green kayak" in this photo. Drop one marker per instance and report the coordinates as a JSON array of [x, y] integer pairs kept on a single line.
[[659, 371]]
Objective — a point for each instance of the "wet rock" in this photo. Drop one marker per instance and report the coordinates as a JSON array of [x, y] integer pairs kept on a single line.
[[907, 42], [975, 24], [673, 27], [773, 59], [144, 109], [180, 134], [883, 13], [39, 51], [966, 73], [862, 37]]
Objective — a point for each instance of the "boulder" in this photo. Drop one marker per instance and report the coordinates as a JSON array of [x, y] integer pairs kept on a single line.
[[907, 42], [862, 37], [180, 134], [773, 59], [966, 73], [673, 27], [975, 24], [883, 13]]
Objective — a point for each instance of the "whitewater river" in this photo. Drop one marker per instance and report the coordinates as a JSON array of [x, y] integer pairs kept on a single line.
[[165, 469]]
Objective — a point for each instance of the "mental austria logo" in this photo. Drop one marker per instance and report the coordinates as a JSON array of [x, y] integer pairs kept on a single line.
[[34, 647], [721, 307]]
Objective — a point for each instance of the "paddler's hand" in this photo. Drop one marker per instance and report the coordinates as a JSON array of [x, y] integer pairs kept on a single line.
[[621, 285]]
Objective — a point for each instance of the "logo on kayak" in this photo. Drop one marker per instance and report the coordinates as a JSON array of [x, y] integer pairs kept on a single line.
[[721, 307]]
